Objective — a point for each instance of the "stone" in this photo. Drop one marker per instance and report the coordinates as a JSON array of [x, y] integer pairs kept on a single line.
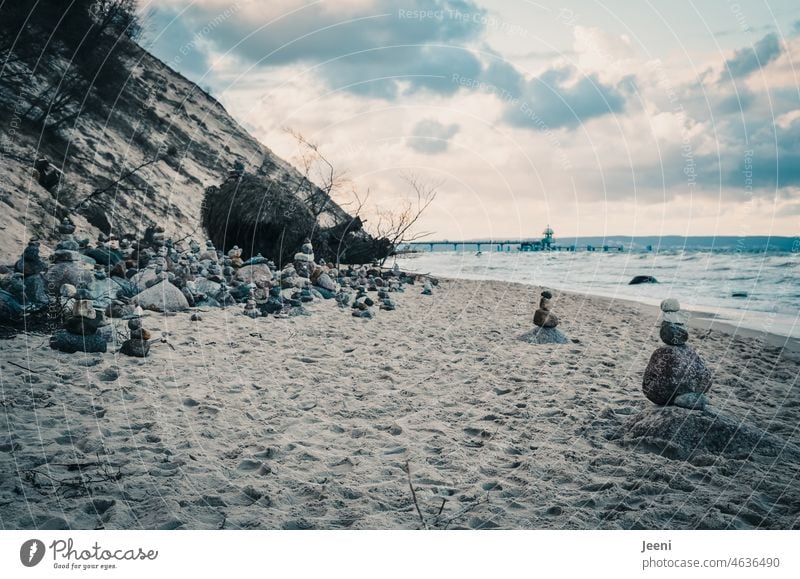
[[427, 289], [253, 273], [343, 299], [251, 309], [65, 341], [672, 371], [670, 305], [82, 326], [691, 401], [135, 348], [325, 282], [673, 334], [542, 335], [681, 434], [140, 334], [545, 319], [30, 263], [547, 294], [367, 313], [389, 305], [66, 227], [66, 256], [10, 309], [35, 291], [162, 297], [639, 279]]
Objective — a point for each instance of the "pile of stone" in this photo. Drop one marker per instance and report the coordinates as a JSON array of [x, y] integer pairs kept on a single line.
[[676, 374], [80, 333], [138, 342], [545, 322], [159, 274]]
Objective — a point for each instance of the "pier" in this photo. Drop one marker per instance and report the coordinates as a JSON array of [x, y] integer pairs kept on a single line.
[[545, 243]]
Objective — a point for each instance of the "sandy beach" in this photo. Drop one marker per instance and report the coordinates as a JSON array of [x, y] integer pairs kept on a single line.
[[311, 421]]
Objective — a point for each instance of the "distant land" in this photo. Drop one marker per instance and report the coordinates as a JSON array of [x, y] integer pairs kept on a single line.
[[724, 243]]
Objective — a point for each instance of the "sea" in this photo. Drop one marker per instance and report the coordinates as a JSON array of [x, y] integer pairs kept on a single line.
[[758, 291]]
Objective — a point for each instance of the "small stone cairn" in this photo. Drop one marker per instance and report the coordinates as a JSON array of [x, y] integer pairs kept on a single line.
[[80, 330], [545, 321], [138, 344]]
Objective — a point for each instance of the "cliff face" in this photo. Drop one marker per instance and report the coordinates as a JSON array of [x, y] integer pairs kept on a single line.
[[181, 139]]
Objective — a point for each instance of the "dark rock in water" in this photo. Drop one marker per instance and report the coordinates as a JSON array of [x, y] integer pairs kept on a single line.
[[70, 343], [672, 371], [642, 279], [542, 335], [739, 295], [681, 434], [673, 334]]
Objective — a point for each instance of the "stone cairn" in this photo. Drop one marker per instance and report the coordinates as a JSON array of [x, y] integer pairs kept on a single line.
[[251, 307], [545, 321], [676, 374], [138, 343], [80, 330]]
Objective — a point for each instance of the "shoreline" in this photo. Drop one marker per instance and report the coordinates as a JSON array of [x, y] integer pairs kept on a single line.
[[700, 319]]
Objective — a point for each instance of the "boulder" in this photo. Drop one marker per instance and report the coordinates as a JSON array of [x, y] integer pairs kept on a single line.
[[672, 371], [64, 341], [162, 297], [325, 282], [71, 273], [642, 279], [682, 434], [253, 273], [10, 308]]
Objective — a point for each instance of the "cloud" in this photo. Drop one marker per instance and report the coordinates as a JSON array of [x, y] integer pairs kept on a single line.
[[748, 60], [429, 136], [562, 98], [381, 48]]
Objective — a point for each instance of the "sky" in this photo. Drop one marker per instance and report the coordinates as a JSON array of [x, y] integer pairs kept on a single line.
[[598, 118]]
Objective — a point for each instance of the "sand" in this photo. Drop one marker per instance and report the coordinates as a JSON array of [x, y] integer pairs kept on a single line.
[[310, 422]]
